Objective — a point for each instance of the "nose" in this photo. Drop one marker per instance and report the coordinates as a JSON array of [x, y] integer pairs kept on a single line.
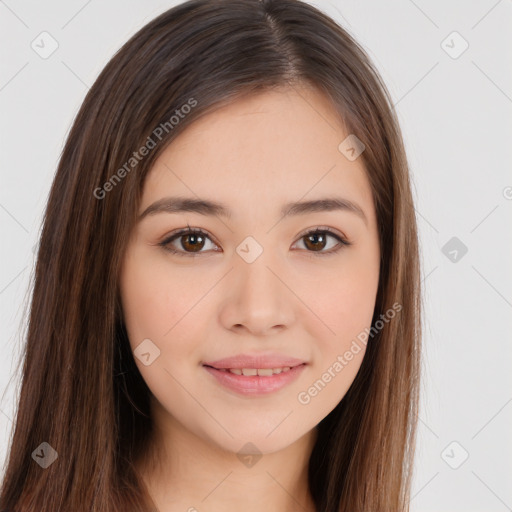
[[258, 298]]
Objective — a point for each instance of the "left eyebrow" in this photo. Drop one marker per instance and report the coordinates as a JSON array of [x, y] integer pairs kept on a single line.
[[208, 207]]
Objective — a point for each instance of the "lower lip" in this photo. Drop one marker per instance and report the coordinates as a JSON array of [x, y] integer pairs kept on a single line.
[[255, 384]]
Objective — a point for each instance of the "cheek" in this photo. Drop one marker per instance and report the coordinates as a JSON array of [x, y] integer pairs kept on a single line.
[[346, 306], [346, 302], [350, 308], [347, 312], [157, 306], [156, 300], [339, 352]]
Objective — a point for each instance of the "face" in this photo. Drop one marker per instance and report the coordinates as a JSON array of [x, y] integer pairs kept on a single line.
[[268, 288]]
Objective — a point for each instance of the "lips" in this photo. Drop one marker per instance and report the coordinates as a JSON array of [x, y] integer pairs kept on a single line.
[[255, 374], [254, 385]]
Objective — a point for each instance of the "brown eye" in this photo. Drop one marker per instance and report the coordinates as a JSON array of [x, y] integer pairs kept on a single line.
[[316, 241], [187, 242], [191, 242], [194, 242]]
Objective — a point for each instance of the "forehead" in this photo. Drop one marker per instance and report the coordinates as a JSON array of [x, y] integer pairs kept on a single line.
[[274, 146]]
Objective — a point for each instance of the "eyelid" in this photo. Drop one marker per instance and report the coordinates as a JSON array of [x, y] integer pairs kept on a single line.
[[324, 229], [343, 241], [185, 231]]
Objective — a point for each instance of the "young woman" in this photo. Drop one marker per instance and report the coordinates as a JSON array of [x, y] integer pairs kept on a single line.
[[226, 307]]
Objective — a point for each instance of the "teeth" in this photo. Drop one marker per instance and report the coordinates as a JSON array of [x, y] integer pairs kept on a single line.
[[266, 372], [262, 372]]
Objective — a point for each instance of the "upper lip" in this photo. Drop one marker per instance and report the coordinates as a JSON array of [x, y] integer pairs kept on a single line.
[[255, 361]]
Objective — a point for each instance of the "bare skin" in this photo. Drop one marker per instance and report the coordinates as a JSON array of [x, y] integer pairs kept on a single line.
[[253, 155]]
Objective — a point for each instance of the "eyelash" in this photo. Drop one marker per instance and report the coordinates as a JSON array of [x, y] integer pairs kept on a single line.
[[195, 231]]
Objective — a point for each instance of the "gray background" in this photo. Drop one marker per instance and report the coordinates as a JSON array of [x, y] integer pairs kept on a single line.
[[455, 110]]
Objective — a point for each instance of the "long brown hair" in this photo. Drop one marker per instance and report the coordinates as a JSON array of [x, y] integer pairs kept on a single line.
[[81, 391]]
